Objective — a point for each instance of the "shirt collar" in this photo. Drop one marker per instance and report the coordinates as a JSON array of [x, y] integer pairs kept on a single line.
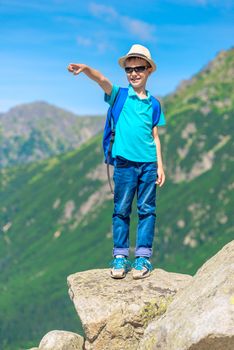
[[132, 93]]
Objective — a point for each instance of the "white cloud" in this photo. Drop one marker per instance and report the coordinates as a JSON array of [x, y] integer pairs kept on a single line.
[[141, 29], [84, 41], [99, 45], [102, 47], [134, 26], [101, 10]]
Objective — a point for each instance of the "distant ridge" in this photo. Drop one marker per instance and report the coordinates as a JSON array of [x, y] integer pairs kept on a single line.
[[38, 130]]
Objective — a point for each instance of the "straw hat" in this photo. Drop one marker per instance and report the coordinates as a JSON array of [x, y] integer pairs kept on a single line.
[[138, 51]]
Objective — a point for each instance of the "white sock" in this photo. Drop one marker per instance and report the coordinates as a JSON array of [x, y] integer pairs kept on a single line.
[[120, 256]]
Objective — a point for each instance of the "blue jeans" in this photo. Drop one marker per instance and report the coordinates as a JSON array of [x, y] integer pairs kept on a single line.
[[130, 177]]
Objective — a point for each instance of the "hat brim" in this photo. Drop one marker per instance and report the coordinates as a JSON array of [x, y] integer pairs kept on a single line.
[[123, 59]]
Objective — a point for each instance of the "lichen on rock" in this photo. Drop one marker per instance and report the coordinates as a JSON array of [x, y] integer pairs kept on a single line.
[[154, 309]]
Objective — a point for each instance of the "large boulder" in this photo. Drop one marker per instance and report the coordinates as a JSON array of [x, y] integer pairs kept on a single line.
[[61, 340], [114, 313], [201, 317]]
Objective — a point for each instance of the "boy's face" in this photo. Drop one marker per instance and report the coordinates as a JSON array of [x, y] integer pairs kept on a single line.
[[137, 79]]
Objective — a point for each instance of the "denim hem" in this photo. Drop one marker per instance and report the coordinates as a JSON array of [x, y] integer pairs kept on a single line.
[[121, 251], [144, 252]]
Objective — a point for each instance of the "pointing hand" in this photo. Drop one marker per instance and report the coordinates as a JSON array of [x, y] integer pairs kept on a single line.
[[76, 68]]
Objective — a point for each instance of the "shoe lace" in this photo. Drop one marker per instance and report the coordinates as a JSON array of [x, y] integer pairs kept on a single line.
[[118, 263], [142, 262]]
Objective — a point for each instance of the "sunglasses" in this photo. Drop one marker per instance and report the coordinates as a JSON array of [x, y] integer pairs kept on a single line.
[[138, 69]]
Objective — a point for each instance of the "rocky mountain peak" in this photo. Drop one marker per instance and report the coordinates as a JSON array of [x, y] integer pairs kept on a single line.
[[220, 68]]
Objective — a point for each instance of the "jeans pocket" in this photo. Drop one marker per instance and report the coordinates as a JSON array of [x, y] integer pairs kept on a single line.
[[150, 172]]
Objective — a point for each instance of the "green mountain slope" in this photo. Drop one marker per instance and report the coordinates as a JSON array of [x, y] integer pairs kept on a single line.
[[55, 215], [198, 150], [38, 130], [200, 118]]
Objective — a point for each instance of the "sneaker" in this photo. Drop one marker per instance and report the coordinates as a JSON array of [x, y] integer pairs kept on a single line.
[[141, 268], [120, 267]]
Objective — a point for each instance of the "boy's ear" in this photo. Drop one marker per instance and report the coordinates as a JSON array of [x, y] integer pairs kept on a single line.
[[150, 70]]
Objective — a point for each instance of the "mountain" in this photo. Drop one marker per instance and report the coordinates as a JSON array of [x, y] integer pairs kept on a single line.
[[38, 130], [200, 117], [56, 214], [198, 151]]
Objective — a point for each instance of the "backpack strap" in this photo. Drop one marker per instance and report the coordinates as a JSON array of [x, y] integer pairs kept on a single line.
[[156, 105], [114, 113], [113, 117], [118, 104]]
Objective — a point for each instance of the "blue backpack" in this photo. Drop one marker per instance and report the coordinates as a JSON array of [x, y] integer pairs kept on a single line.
[[112, 119]]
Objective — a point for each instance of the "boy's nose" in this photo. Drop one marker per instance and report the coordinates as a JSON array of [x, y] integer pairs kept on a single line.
[[133, 74]]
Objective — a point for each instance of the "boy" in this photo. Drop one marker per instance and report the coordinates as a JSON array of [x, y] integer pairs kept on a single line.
[[138, 160]]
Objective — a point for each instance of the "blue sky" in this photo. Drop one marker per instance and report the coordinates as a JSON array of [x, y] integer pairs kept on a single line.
[[40, 38]]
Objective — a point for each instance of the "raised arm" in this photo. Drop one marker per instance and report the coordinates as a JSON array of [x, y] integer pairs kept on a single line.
[[77, 68]]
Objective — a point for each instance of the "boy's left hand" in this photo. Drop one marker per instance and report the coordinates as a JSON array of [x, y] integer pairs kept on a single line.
[[161, 177]]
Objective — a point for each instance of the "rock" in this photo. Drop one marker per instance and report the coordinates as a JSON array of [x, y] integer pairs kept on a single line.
[[114, 313], [201, 316], [61, 340]]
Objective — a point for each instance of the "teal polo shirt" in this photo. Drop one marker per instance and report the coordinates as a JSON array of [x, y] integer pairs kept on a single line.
[[133, 137]]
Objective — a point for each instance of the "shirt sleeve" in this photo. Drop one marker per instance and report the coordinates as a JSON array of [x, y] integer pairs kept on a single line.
[[111, 98], [162, 120]]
